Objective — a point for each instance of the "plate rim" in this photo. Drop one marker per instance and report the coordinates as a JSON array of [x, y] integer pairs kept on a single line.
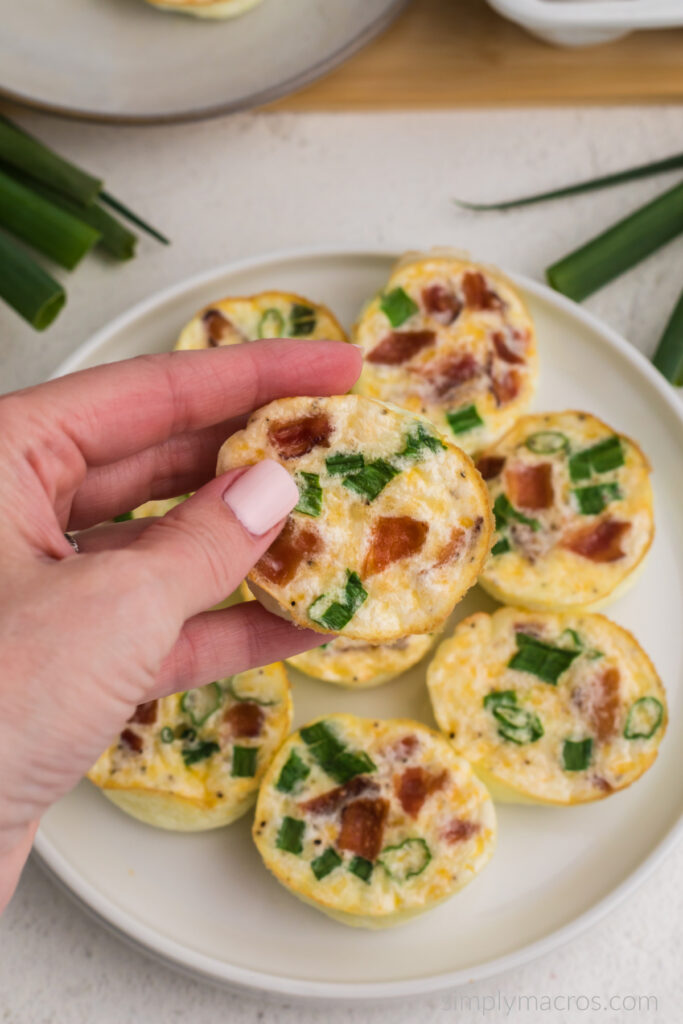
[[233, 976], [294, 83]]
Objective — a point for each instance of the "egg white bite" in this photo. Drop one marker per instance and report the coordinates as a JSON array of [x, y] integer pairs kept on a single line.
[[206, 8], [453, 341], [194, 760], [357, 664], [270, 314], [549, 708], [372, 822], [392, 526], [573, 507]]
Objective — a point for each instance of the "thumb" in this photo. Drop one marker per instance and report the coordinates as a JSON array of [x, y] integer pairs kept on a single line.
[[203, 548]]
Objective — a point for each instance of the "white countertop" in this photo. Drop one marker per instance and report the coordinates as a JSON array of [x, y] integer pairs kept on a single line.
[[256, 184]]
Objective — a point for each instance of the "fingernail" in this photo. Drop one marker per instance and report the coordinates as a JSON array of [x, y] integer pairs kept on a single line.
[[262, 496]]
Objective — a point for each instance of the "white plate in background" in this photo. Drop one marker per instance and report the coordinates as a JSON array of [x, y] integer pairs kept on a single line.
[[206, 904], [587, 22], [124, 61]]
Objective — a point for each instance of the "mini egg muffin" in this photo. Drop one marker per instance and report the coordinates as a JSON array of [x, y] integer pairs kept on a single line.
[[206, 8], [358, 664], [194, 760], [550, 708], [265, 315], [451, 340], [372, 822], [573, 507], [392, 525], [355, 663]]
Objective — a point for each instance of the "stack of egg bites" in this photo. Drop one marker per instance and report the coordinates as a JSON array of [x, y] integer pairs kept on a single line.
[[429, 477]]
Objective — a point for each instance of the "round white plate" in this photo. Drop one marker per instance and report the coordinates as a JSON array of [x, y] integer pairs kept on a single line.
[[207, 904], [122, 60]]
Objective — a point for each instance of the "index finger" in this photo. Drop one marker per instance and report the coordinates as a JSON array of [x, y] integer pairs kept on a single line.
[[116, 410]]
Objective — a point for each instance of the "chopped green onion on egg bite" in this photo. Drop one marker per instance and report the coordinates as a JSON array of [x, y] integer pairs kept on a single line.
[[272, 314], [392, 526], [573, 507], [194, 760], [372, 822], [453, 341], [550, 708]]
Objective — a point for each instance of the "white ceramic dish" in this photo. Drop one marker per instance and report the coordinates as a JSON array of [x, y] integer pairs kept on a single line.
[[586, 22], [122, 60], [206, 904]]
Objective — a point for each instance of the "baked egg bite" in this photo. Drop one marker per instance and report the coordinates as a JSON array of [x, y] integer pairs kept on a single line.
[[453, 341], [550, 708], [372, 822], [194, 760], [265, 315], [573, 508], [206, 8], [392, 526], [357, 664]]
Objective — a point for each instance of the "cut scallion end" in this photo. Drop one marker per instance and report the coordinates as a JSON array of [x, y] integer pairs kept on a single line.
[[114, 238], [31, 157], [117, 205], [310, 501], [670, 163], [576, 754], [26, 287], [669, 355], [290, 835], [361, 868], [43, 225], [244, 762], [619, 248], [294, 771]]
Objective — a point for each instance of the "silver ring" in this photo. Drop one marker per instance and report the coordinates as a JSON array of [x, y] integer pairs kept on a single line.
[[73, 542]]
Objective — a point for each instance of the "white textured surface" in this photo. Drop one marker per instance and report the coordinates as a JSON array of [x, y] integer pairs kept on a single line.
[[251, 185]]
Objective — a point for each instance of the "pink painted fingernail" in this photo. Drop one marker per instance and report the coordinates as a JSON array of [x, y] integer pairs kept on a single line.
[[262, 496]]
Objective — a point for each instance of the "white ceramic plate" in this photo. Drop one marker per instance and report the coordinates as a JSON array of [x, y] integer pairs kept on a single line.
[[206, 903], [587, 22], [122, 60]]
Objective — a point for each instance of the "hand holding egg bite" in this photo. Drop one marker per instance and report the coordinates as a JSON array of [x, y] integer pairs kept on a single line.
[[547, 707]]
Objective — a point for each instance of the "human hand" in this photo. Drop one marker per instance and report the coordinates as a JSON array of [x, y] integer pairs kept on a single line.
[[85, 638]]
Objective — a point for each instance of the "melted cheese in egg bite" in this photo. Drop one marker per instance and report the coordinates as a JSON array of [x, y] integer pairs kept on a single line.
[[453, 341], [392, 526], [206, 8], [272, 314], [573, 507], [548, 708], [194, 760], [372, 822]]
